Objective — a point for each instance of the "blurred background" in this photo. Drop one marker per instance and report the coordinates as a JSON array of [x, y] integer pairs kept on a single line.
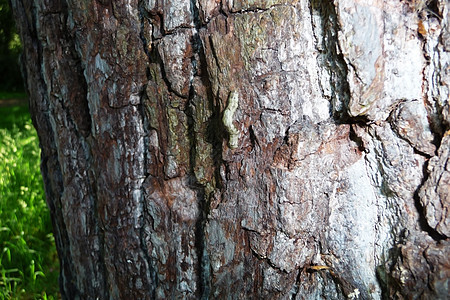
[[10, 48], [29, 264]]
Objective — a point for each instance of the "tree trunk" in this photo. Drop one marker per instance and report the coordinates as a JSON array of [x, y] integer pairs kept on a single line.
[[244, 149]]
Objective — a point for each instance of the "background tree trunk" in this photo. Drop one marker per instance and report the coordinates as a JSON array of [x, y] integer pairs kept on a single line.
[[244, 149]]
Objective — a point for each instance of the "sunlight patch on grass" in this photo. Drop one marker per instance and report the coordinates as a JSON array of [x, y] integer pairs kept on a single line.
[[28, 259]]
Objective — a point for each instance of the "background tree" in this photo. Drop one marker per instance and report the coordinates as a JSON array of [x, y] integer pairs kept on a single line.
[[10, 79], [243, 149]]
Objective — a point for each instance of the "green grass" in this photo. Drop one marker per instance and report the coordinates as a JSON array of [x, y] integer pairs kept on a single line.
[[13, 116], [28, 259]]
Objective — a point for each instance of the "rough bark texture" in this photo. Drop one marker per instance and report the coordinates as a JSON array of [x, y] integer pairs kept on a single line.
[[244, 149]]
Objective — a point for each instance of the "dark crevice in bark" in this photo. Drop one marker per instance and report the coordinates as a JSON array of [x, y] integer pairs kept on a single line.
[[203, 263], [259, 257], [215, 137], [384, 188], [152, 283], [159, 60], [253, 139], [394, 129], [198, 62], [438, 128], [357, 139], [423, 223], [343, 285], [431, 267], [77, 109], [150, 46], [417, 151], [296, 286], [203, 205], [383, 272], [143, 17], [333, 60], [256, 9], [156, 16], [66, 281], [214, 53], [436, 121], [214, 126], [432, 8], [153, 275]]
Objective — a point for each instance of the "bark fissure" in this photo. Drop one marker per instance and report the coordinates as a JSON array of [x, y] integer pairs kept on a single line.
[[255, 10], [164, 76], [331, 57], [147, 46], [153, 284], [199, 69], [202, 199], [423, 223]]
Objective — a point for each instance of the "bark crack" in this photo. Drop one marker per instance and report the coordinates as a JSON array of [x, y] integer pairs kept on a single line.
[[198, 62], [296, 286], [423, 223], [331, 57], [153, 283], [258, 9], [152, 272], [391, 119]]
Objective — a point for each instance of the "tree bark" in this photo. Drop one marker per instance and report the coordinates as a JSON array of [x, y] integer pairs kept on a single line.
[[244, 149]]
